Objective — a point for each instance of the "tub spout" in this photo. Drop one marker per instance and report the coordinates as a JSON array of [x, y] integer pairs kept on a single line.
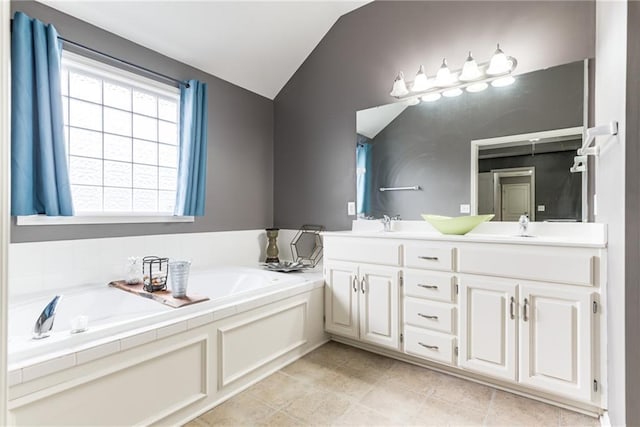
[[45, 320]]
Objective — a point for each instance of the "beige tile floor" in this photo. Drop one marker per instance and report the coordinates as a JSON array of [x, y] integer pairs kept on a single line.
[[343, 386]]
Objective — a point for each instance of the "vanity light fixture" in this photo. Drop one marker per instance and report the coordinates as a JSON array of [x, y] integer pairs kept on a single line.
[[478, 87], [399, 86], [503, 81], [500, 63], [473, 77], [430, 97], [421, 82], [452, 92], [444, 76], [470, 70]]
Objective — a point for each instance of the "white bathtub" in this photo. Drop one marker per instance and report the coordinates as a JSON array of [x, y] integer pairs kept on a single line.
[[114, 312]]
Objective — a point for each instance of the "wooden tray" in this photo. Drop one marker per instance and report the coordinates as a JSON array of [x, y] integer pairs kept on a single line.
[[163, 297]]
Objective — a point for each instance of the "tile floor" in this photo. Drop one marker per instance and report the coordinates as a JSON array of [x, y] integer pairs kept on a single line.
[[344, 386]]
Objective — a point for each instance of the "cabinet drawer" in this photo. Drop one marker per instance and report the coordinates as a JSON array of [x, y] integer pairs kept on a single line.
[[430, 256], [574, 266], [429, 284], [429, 345], [370, 251], [431, 315]]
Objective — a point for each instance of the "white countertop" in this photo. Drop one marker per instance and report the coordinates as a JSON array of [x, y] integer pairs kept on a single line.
[[586, 235]]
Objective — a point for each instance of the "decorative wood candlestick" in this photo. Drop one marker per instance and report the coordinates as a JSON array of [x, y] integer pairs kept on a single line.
[[272, 247]]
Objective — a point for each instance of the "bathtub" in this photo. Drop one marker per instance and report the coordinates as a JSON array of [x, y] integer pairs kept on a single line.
[[113, 312], [255, 323]]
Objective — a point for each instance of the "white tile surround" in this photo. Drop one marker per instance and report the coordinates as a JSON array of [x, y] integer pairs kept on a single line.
[[36, 267]]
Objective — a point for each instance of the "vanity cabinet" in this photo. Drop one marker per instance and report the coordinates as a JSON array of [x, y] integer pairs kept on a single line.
[[538, 335], [429, 302], [526, 316], [362, 302]]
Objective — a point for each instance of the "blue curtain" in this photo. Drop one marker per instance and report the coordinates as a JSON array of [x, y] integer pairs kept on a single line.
[[39, 172], [192, 163], [363, 178]]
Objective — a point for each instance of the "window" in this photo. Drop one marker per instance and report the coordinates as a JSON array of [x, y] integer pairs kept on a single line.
[[122, 139]]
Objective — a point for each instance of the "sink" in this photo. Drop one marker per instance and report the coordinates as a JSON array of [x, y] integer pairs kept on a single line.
[[456, 225]]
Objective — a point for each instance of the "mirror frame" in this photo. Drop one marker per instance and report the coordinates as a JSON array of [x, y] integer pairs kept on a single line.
[[477, 143]]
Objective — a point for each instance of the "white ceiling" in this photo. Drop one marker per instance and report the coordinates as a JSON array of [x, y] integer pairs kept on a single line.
[[257, 45], [370, 122]]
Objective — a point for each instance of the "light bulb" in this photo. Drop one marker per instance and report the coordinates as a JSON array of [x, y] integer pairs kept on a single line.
[[499, 63], [503, 81], [452, 92], [430, 97], [444, 76], [399, 86], [477, 87], [470, 70], [421, 82]]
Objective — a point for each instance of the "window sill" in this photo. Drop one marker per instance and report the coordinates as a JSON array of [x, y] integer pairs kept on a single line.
[[100, 219]]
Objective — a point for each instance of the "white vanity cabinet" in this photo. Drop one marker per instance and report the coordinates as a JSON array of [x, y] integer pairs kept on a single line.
[[362, 300], [429, 301], [525, 316], [539, 335]]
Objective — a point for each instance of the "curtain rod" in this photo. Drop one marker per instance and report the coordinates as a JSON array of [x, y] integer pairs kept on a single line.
[[122, 61], [130, 64]]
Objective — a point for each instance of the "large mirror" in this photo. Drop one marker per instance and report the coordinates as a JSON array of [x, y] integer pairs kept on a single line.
[[416, 159]]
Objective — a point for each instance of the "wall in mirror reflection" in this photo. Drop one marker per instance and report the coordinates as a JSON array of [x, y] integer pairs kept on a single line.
[[428, 145]]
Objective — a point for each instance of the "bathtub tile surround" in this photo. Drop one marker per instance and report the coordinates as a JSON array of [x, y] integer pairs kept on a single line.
[[318, 389], [42, 266]]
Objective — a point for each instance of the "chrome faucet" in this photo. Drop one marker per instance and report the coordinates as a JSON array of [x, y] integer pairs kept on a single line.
[[386, 221], [523, 222], [45, 320]]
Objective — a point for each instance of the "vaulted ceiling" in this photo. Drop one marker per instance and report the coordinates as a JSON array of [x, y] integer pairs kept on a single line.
[[257, 45]]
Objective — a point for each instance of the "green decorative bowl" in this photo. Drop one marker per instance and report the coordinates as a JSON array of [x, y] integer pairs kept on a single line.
[[457, 225]]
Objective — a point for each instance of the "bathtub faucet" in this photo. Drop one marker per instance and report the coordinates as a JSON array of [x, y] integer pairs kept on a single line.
[[45, 320]]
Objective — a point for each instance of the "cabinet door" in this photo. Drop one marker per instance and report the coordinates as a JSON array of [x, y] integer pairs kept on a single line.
[[488, 316], [379, 306], [341, 299], [556, 335]]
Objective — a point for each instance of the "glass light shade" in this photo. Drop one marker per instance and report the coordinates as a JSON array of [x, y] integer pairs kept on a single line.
[[499, 63], [430, 97], [503, 81], [421, 82], [470, 70], [444, 76], [478, 87], [399, 86], [453, 92]]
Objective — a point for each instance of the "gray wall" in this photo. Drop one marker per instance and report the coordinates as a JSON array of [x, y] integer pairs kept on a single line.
[[240, 155], [632, 226], [429, 144], [354, 65]]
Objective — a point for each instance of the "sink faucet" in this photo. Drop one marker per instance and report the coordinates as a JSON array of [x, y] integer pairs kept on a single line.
[[386, 221], [45, 320], [523, 222]]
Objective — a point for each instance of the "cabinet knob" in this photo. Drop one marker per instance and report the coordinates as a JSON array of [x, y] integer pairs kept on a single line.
[[428, 258], [525, 310], [428, 286], [512, 308], [355, 283]]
